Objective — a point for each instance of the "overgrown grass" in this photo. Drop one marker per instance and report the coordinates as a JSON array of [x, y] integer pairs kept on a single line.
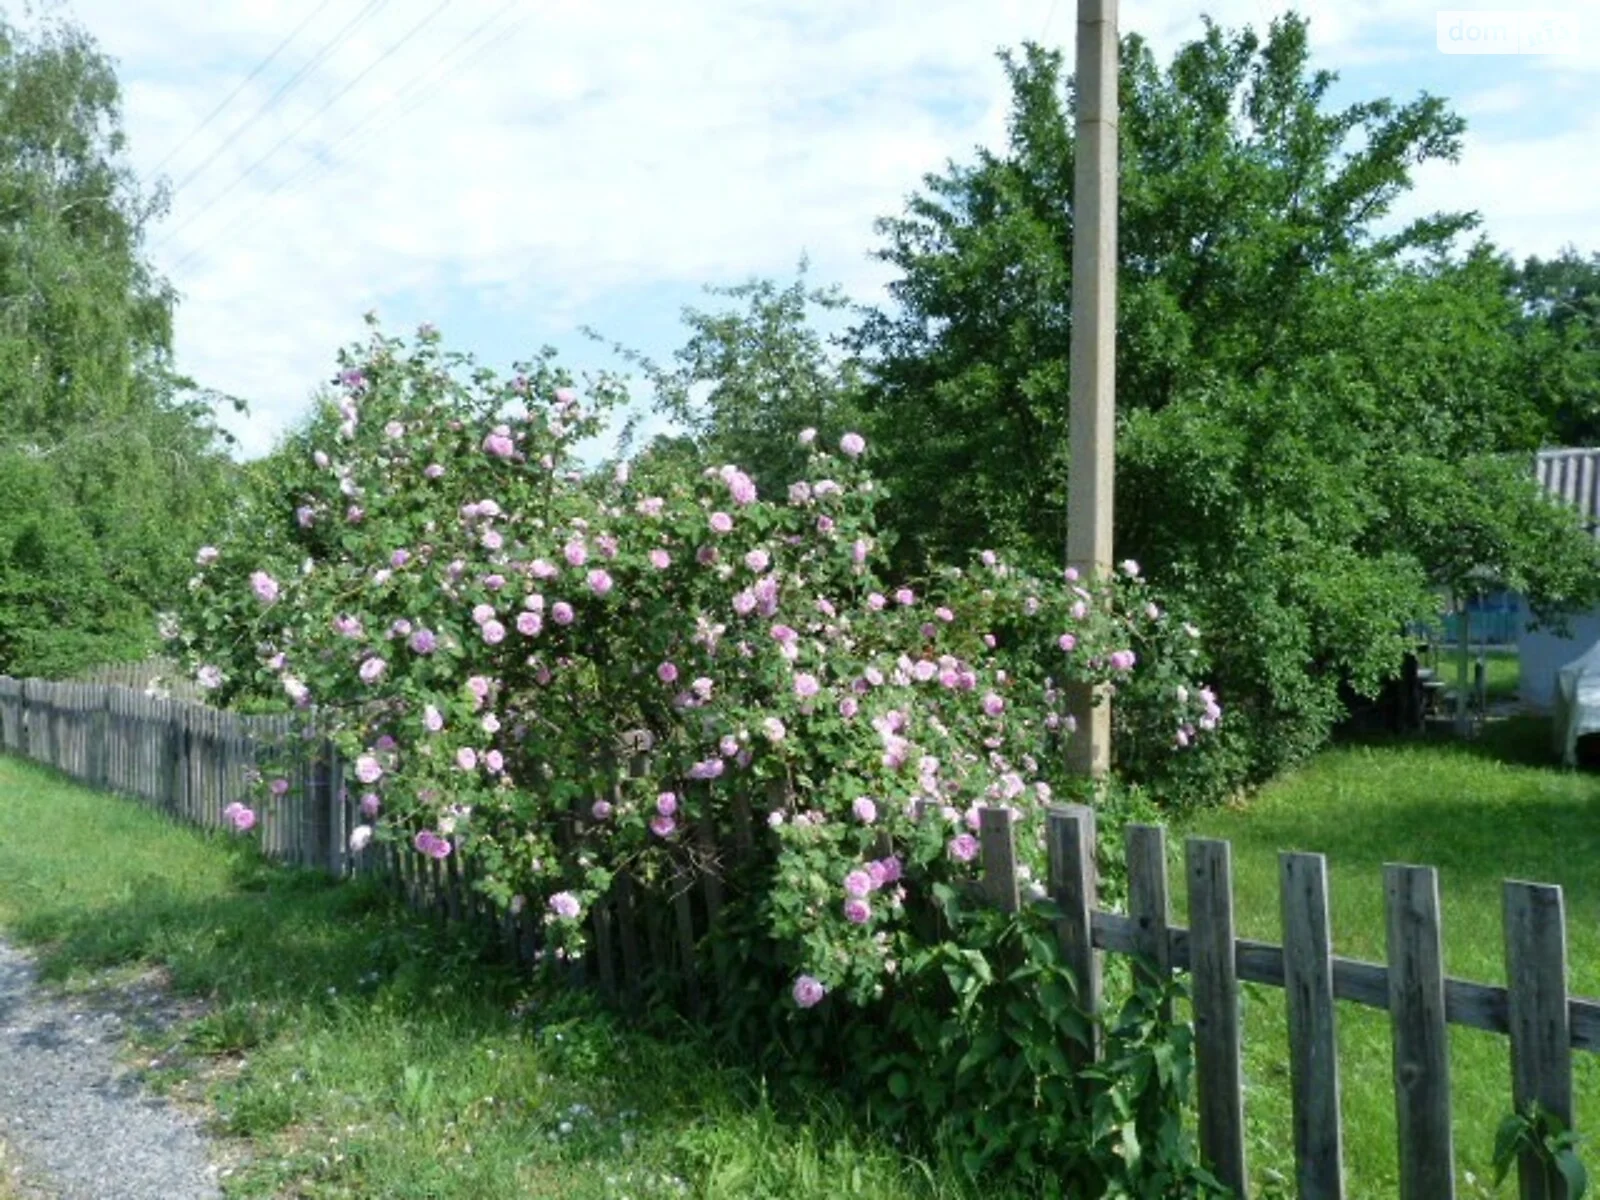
[[358, 1053], [1480, 812]]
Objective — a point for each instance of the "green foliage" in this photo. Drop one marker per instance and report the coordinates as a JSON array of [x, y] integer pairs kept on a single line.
[[105, 453], [1319, 425], [1544, 1139], [980, 1033], [748, 380]]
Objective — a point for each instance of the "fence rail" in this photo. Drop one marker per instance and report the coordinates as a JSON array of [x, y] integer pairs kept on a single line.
[[191, 762]]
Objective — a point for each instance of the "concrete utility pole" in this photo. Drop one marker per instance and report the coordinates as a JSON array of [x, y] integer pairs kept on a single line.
[[1093, 416]]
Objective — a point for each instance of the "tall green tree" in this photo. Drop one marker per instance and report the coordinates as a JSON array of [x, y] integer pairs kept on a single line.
[[107, 453], [1316, 405]]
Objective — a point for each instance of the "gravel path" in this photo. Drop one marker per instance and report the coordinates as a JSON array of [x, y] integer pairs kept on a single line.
[[81, 1128]]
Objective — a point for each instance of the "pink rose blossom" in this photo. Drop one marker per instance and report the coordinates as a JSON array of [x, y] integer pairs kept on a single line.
[[963, 847], [809, 991], [853, 445], [660, 559], [561, 613], [721, 522]]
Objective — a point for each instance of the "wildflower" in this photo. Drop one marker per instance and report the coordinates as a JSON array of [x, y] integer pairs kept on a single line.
[[467, 758], [806, 685], [372, 669], [206, 555], [1067, 642], [495, 761], [422, 641], [667, 672]]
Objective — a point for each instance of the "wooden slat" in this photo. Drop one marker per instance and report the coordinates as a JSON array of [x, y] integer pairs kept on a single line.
[[1069, 833], [628, 934], [1541, 1039], [999, 849], [1218, 1065], [1149, 906], [1420, 1035], [1313, 1041]]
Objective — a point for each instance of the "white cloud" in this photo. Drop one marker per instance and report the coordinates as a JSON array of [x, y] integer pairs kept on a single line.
[[589, 151]]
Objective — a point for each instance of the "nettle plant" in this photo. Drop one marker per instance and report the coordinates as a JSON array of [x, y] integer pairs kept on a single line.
[[564, 673]]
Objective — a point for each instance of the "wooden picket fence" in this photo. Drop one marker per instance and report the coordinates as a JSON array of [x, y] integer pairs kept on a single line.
[[190, 762]]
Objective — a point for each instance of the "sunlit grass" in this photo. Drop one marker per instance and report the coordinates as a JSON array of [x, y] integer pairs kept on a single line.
[[357, 1052], [1479, 812]]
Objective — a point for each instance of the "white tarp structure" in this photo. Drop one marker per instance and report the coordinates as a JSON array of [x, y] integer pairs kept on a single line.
[[1577, 702]]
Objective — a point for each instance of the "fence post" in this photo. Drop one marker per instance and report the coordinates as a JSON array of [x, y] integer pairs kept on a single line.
[[1421, 1039], [1074, 888], [1149, 906], [1541, 1036], [1213, 964], [999, 848], [1313, 1044]]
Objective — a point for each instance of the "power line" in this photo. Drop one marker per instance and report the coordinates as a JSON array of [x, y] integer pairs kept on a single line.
[[425, 87], [300, 128], [335, 43], [243, 83]]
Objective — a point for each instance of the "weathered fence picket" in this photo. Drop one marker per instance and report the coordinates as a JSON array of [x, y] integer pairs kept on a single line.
[[191, 762]]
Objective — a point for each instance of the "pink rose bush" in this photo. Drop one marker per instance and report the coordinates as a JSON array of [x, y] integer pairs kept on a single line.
[[490, 686]]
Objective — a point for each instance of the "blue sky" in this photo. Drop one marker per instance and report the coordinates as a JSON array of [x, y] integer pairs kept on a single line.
[[514, 169]]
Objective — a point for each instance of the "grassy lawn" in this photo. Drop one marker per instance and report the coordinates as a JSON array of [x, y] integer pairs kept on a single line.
[[1480, 813], [353, 1052], [1502, 670]]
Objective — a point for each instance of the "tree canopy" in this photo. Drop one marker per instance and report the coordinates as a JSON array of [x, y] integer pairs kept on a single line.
[[105, 451]]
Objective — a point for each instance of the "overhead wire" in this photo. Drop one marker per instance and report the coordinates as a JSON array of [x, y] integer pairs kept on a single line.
[[300, 128], [243, 83], [231, 139], [419, 89]]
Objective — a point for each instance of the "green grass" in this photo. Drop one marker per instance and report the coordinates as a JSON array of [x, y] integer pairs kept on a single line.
[[1480, 813], [1502, 670], [355, 1052]]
